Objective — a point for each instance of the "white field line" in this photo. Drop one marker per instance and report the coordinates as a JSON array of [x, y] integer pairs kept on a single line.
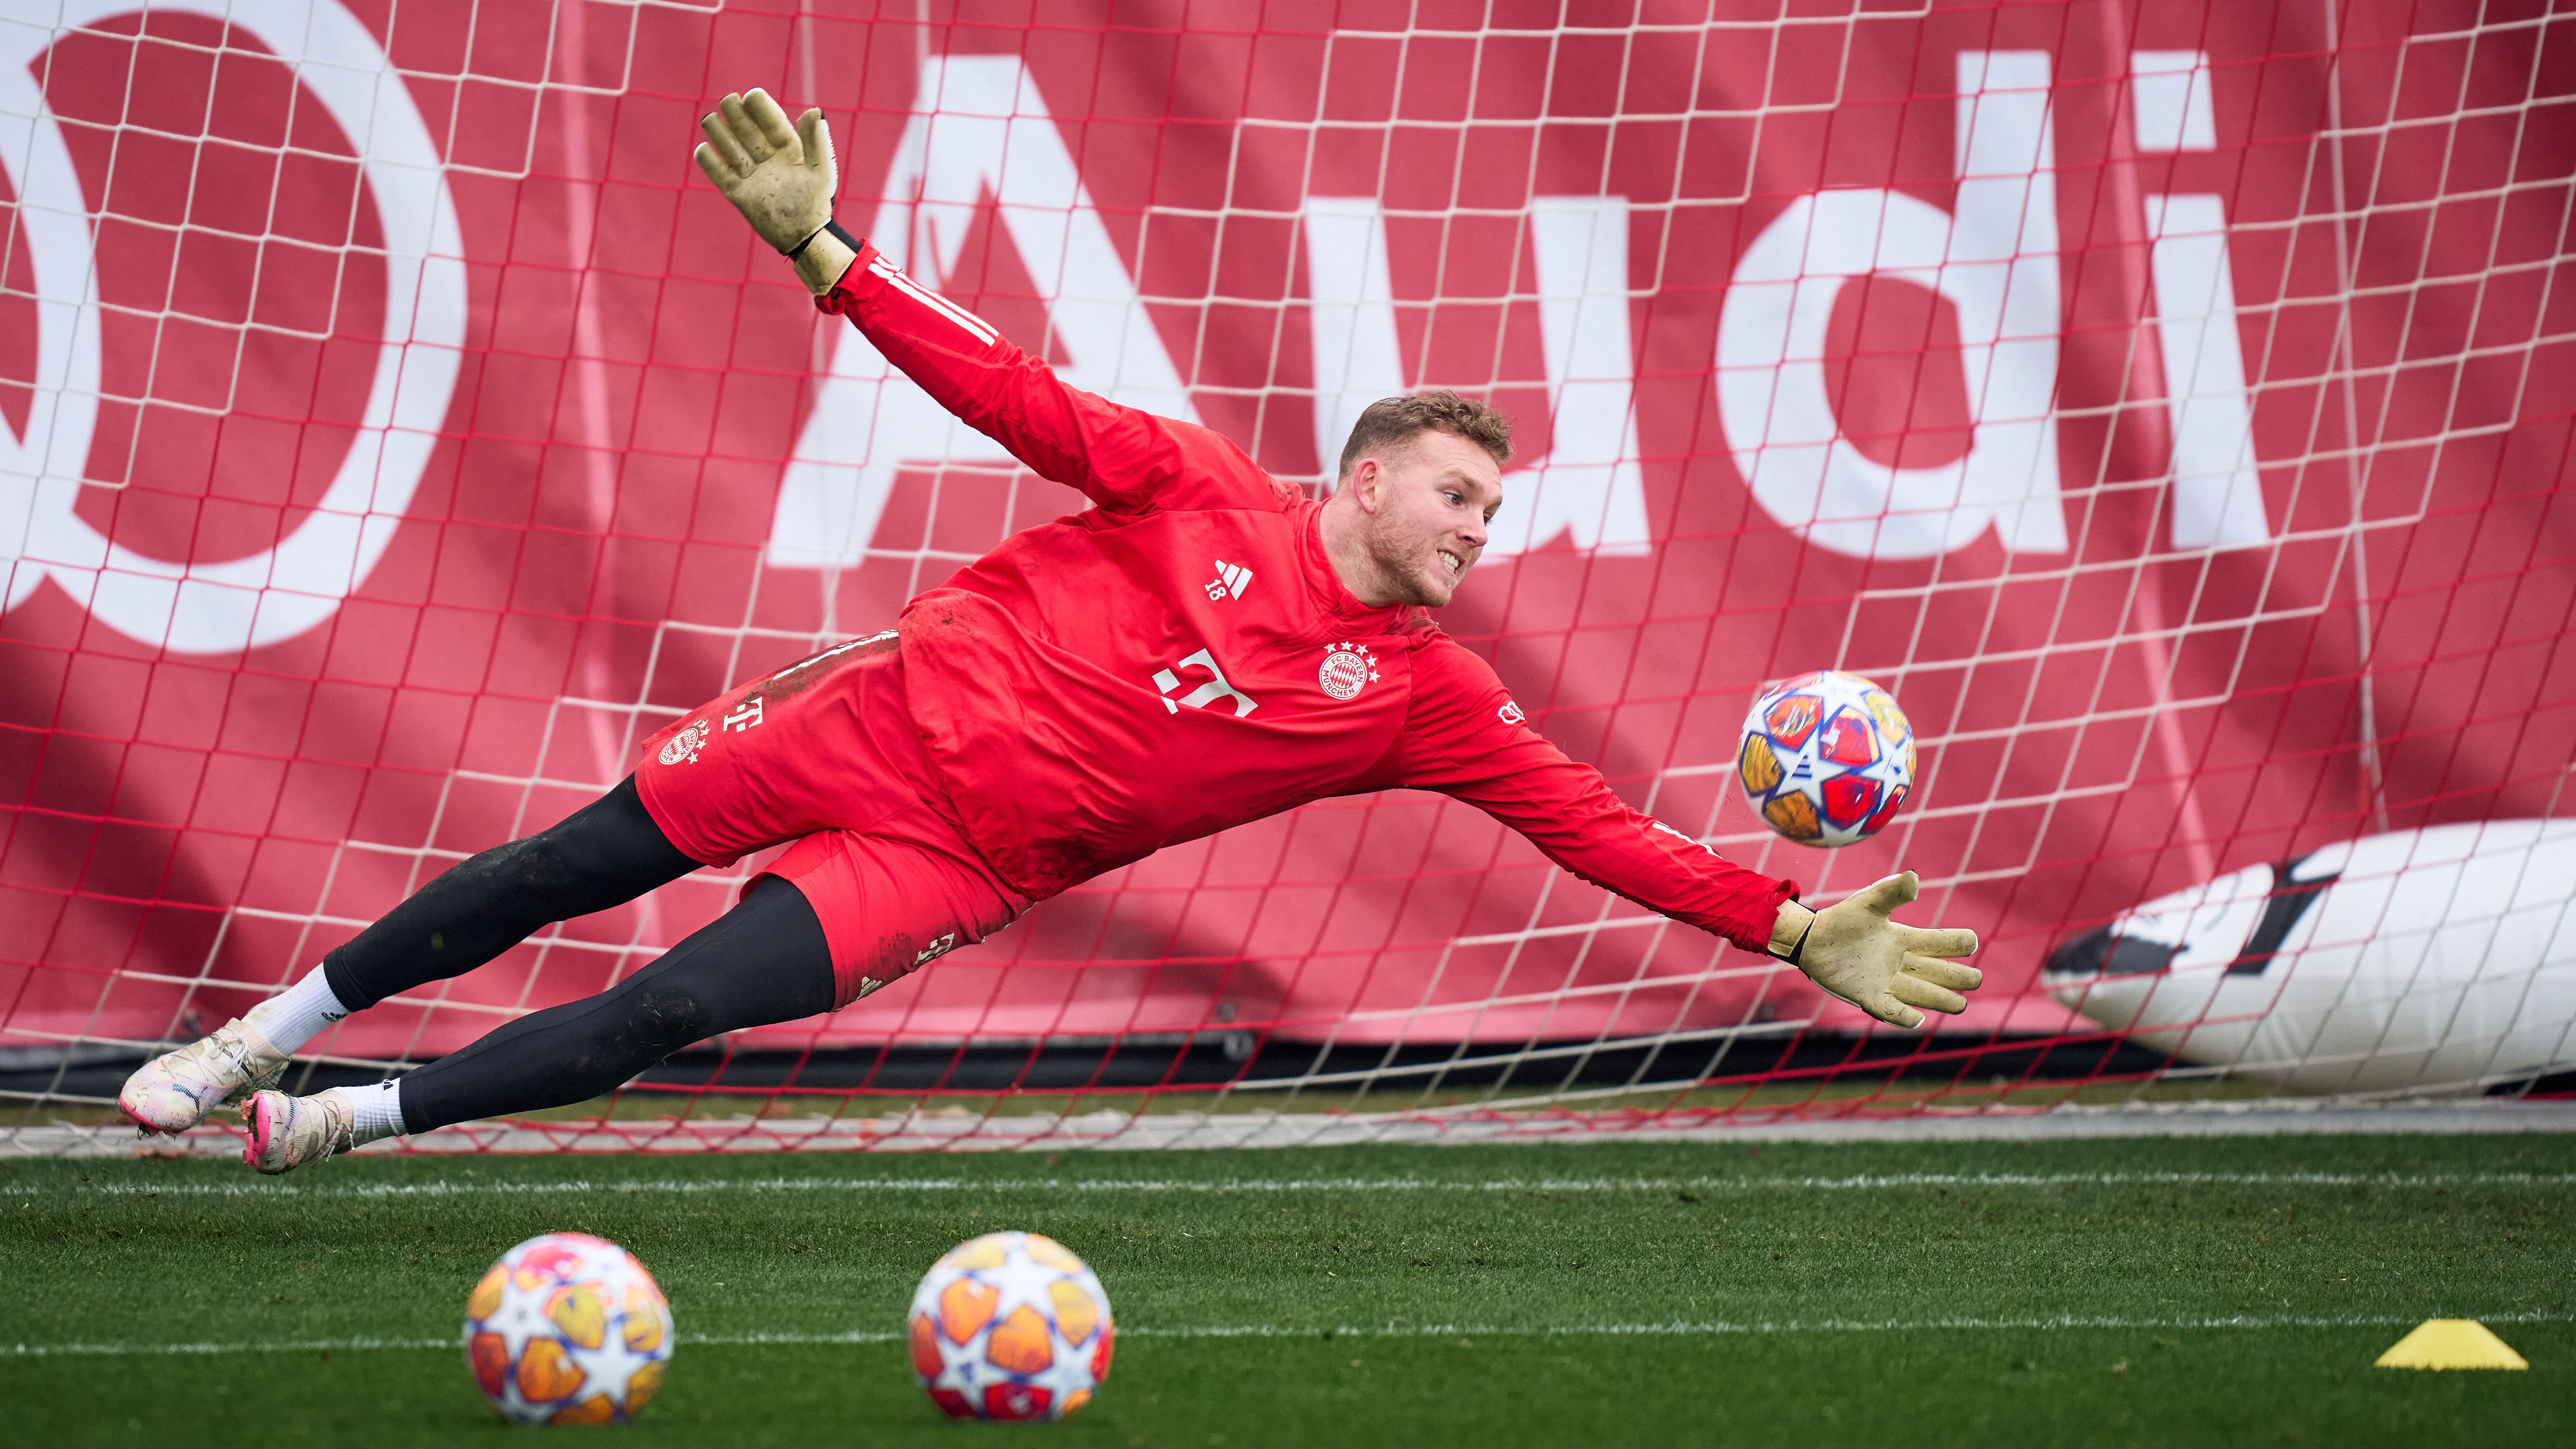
[[1387, 1330], [453, 1187]]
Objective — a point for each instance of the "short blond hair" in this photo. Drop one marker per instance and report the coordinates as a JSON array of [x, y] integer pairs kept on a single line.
[[1394, 421]]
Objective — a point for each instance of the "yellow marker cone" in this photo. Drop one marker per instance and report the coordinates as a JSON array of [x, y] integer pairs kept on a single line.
[[2451, 1343]]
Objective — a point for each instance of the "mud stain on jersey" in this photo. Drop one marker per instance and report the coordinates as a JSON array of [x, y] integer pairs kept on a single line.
[[898, 954], [805, 673]]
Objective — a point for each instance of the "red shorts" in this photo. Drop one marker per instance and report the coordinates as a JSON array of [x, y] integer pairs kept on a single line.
[[824, 753]]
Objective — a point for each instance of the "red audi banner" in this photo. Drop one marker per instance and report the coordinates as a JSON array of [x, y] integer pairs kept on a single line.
[[2167, 403]]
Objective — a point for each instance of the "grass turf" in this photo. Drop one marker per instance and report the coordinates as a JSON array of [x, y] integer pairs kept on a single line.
[[2155, 1292]]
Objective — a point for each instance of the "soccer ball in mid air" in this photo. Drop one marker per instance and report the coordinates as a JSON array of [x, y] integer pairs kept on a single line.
[[1826, 758], [1010, 1326], [567, 1329]]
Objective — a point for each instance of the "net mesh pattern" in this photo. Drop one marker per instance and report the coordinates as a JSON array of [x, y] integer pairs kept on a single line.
[[2167, 404]]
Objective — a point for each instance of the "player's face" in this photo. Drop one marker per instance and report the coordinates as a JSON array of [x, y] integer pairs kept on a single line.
[[1434, 497]]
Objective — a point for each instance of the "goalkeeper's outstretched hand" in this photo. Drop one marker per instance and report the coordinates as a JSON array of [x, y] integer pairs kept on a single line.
[[780, 177], [1854, 951]]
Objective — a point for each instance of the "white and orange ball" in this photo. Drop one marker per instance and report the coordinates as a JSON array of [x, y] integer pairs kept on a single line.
[[567, 1329], [1010, 1326], [1826, 758]]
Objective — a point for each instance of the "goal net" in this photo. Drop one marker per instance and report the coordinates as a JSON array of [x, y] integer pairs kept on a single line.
[[2167, 403]]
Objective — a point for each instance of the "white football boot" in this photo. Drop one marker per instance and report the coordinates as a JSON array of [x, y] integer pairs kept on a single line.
[[289, 1132], [174, 1092]]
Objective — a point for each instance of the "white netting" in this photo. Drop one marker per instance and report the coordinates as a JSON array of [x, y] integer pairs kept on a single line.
[[2167, 405]]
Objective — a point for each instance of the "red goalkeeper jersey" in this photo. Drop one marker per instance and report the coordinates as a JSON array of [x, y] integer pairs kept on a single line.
[[1181, 657]]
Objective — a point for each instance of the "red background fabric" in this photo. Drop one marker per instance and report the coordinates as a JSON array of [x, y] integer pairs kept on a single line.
[[586, 548]]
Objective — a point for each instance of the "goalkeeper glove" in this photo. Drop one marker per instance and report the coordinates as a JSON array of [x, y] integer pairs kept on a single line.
[[1857, 954], [780, 177]]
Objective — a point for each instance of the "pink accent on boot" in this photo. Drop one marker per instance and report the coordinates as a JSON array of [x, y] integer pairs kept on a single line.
[[290, 1132]]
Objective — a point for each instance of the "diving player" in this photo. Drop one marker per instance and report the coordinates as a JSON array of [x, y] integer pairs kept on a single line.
[[1201, 647]]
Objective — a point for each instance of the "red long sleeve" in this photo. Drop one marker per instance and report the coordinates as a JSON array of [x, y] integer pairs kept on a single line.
[[1122, 458], [1465, 738]]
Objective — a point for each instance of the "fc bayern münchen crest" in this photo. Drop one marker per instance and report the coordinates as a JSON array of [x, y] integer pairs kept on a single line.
[[684, 746], [1347, 670]]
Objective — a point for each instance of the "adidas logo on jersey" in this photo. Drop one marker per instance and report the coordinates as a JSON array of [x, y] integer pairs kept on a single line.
[[1230, 582]]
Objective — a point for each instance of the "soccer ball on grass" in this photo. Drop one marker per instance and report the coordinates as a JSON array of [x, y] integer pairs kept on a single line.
[[1826, 758], [567, 1329], [1010, 1326]]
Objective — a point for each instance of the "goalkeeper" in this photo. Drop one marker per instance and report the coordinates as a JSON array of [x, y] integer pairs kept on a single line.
[[1201, 647]]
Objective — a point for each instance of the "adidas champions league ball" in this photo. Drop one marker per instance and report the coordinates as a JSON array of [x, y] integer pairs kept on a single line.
[[1010, 1326], [1826, 759], [567, 1329]]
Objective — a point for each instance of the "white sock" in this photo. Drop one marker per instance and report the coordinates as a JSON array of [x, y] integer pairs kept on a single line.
[[377, 1110], [297, 1015]]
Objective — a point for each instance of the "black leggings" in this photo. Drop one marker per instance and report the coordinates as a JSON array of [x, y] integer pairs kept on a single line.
[[765, 960]]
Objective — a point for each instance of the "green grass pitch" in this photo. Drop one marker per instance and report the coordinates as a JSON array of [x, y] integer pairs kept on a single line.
[[2154, 1292]]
